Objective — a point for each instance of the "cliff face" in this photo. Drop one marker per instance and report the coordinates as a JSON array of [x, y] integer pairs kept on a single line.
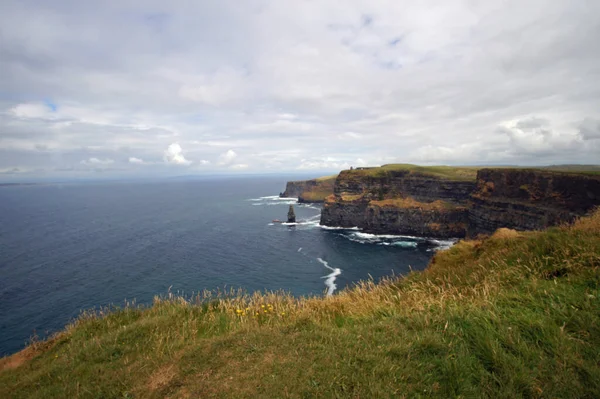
[[399, 202], [529, 199], [402, 183], [414, 203], [294, 188], [315, 190]]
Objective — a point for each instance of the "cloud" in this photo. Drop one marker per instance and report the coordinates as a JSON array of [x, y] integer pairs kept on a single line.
[[174, 155], [97, 162], [136, 161], [589, 129], [239, 166], [227, 158], [307, 85]]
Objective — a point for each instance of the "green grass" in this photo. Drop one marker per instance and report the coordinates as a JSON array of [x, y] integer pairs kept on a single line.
[[511, 316], [465, 173]]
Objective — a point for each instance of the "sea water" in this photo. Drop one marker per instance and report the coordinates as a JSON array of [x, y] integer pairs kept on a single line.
[[73, 246]]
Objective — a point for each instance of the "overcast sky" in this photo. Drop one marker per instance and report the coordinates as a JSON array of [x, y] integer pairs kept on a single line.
[[141, 87]]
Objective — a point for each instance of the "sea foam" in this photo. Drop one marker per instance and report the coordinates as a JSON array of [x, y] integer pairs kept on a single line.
[[330, 278]]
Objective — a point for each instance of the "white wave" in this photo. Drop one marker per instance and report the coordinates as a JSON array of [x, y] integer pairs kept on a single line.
[[404, 244], [370, 236], [299, 249], [275, 203], [309, 206], [330, 278], [278, 198], [290, 224], [339, 228], [443, 244]]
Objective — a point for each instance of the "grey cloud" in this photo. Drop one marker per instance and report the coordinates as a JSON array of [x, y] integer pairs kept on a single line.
[[296, 85], [590, 129]]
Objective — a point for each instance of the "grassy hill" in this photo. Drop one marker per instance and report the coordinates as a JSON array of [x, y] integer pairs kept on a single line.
[[513, 315]]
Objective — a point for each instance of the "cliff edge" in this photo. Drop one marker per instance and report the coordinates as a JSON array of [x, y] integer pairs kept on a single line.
[[527, 199], [446, 202], [402, 199], [310, 191]]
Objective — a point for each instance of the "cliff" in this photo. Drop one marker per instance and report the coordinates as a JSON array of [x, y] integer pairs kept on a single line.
[[525, 199], [314, 190], [402, 199], [455, 202]]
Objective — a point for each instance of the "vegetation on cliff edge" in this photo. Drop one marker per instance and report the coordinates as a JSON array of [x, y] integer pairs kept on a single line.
[[513, 315], [466, 173]]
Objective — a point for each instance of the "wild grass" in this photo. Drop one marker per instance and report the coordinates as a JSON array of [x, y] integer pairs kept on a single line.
[[512, 315], [465, 173], [469, 173]]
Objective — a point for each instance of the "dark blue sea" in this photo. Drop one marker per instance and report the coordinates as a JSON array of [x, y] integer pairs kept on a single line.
[[68, 247]]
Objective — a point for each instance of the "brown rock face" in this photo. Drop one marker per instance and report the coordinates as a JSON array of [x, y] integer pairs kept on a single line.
[[310, 191], [399, 202], [294, 188], [403, 202], [402, 183], [530, 199]]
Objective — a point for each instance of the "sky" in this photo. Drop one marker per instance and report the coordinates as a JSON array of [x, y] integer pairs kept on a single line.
[[184, 87]]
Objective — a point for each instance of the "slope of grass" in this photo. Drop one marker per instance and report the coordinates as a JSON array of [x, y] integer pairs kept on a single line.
[[514, 315]]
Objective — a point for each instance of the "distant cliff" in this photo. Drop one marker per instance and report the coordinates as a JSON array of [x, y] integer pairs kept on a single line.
[[530, 199], [411, 201], [314, 190], [455, 202]]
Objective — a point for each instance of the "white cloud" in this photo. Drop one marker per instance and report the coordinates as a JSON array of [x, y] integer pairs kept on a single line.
[[239, 166], [174, 155], [136, 161], [349, 135], [300, 85], [97, 161], [227, 158]]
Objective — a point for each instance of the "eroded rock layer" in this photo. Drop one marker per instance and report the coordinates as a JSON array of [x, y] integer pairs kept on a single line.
[[529, 199], [413, 203]]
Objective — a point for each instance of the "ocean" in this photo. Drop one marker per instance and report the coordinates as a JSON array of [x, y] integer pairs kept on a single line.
[[74, 246]]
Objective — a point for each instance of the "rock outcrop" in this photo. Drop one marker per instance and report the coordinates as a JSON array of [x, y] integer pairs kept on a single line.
[[399, 202], [310, 191], [291, 216], [409, 202], [524, 199]]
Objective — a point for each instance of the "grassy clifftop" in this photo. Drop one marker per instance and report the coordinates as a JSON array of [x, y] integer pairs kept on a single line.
[[513, 315], [444, 172], [467, 173]]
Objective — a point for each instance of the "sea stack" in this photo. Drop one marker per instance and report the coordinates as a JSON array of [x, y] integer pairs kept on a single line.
[[291, 215]]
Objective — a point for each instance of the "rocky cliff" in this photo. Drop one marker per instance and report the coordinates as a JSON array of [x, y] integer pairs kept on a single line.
[[443, 202], [524, 199], [314, 190], [400, 202]]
